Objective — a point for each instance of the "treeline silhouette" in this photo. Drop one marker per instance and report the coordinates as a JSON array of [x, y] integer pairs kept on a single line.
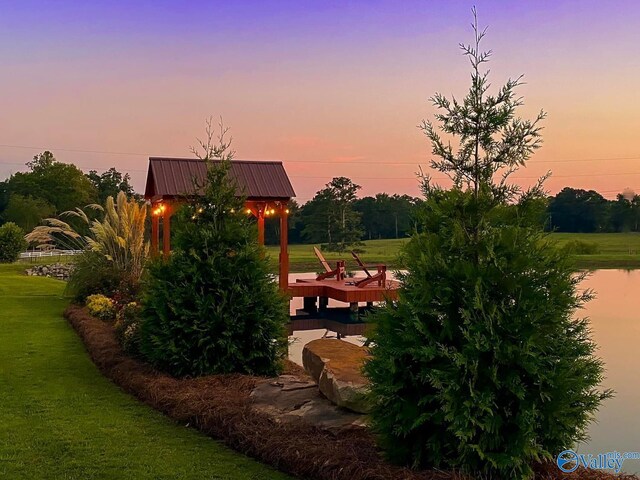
[[385, 216]]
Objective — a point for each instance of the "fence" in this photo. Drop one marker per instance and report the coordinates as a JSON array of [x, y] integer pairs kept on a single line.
[[34, 254]]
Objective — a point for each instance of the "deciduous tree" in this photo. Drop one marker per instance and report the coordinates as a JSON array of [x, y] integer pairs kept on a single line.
[[110, 183], [61, 185], [330, 216]]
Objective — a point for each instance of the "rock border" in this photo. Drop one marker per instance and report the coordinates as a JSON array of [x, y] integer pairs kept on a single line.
[[59, 271], [220, 406]]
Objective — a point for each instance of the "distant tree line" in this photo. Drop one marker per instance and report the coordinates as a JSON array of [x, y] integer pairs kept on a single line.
[[50, 187], [586, 211], [334, 217], [337, 218]]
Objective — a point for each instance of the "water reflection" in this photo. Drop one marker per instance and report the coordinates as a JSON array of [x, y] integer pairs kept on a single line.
[[614, 317], [615, 322]]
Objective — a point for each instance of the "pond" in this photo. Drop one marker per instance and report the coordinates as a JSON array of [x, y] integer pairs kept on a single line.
[[615, 315], [615, 320]]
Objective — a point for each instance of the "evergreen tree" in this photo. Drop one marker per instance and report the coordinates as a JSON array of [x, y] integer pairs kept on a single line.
[[479, 365], [212, 306]]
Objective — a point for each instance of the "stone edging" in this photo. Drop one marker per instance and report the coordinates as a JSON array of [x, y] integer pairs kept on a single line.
[[59, 271]]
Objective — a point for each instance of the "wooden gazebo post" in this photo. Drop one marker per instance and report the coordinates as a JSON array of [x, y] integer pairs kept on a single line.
[[283, 273], [260, 215], [155, 232], [166, 231]]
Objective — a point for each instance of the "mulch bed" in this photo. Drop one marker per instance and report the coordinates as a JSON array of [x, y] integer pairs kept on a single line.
[[219, 405]]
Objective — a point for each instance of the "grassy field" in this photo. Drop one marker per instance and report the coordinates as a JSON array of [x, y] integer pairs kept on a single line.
[[59, 418], [615, 250]]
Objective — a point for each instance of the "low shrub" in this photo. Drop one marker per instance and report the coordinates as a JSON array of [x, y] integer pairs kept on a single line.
[[580, 247], [93, 274], [101, 307], [343, 247], [12, 242]]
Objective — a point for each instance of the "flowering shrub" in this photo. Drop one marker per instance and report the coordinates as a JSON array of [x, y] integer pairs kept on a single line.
[[128, 328], [101, 307]]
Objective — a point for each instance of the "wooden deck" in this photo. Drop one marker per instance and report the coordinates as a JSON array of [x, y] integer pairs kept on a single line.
[[316, 313], [344, 290]]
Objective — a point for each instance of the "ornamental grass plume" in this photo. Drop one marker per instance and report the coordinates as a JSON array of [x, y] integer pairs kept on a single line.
[[117, 239]]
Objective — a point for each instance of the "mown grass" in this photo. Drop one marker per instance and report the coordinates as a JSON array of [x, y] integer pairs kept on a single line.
[[615, 250], [302, 258], [59, 418]]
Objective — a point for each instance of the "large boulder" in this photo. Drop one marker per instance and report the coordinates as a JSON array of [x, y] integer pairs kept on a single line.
[[336, 366], [290, 398]]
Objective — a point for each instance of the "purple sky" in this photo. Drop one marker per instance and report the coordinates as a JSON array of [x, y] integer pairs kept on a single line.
[[330, 88]]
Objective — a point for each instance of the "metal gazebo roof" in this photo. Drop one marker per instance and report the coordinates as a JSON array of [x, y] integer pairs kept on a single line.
[[176, 177]]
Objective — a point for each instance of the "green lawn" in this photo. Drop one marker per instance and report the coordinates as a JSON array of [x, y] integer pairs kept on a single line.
[[302, 258], [616, 250], [61, 419]]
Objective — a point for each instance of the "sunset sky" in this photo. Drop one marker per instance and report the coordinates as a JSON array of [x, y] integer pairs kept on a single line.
[[330, 88]]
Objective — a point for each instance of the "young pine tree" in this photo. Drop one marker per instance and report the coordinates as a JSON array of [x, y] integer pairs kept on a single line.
[[480, 365], [212, 306]]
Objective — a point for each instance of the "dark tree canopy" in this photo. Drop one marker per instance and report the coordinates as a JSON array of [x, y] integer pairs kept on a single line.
[[330, 217], [576, 210], [387, 216], [61, 185], [26, 211], [110, 183]]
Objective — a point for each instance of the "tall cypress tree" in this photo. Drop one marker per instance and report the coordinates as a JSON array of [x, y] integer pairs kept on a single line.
[[479, 365]]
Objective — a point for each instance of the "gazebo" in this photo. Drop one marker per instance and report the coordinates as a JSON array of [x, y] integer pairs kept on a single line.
[[265, 185]]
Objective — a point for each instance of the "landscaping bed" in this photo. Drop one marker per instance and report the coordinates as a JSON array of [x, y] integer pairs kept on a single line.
[[220, 406]]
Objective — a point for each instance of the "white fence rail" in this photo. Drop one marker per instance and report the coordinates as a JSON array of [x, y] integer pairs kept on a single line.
[[49, 253]]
